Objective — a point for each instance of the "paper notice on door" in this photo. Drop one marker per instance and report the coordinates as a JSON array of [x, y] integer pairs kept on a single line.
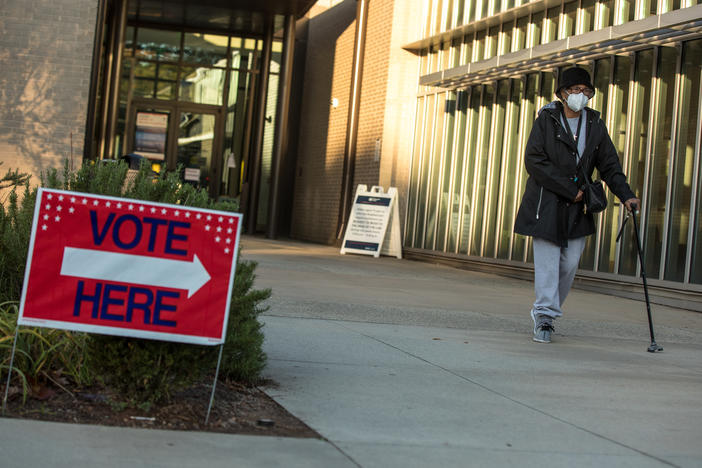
[[192, 174]]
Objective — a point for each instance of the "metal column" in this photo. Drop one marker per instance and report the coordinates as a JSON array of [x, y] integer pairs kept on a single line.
[[259, 125], [352, 121], [94, 76], [280, 148], [115, 74]]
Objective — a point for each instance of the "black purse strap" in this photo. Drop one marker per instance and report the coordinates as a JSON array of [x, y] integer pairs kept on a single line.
[[581, 162]]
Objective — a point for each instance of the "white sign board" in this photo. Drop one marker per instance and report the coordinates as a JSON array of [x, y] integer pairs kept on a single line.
[[374, 224], [192, 174], [150, 135]]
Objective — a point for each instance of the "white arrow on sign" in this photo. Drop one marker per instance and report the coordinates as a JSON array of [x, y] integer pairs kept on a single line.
[[136, 269]]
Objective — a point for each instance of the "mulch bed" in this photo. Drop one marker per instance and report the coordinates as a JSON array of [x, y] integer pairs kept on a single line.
[[237, 409]]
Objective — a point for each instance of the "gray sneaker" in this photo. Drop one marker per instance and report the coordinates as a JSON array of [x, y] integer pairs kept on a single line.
[[543, 327]]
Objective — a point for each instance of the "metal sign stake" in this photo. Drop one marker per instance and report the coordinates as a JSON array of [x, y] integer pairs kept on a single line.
[[9, 371], [214, 384]]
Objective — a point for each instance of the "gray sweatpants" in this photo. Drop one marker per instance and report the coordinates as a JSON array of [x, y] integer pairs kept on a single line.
[[554, 270]]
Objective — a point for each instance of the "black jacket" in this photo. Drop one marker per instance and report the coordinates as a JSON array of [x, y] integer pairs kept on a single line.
[[547, 210]]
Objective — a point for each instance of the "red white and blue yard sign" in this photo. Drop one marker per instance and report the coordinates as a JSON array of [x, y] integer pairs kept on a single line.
[[131, 268]]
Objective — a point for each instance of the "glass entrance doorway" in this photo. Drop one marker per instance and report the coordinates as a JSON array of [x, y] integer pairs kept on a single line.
[[185, 136], [186, 99], [196, 145]]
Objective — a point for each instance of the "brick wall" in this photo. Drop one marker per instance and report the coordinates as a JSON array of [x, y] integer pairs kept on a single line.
[[329, 61], [45, 57], [320, 154]]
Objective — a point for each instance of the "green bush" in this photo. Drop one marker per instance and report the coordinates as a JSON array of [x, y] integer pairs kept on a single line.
[[15, 230], [42, 355], [143, 371]]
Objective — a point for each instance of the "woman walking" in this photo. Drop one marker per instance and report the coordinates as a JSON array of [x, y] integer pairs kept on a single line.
[[567, 142]]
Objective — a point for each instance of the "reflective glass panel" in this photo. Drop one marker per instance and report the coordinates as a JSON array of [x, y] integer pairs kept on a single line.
[[688, 134], [456, 51], [482, 155], [587, 15], [158, 44], [195, 147], [660, 160], [551, 24], [494, 171], [201, 85], [520, 34], [605, 14], [267, 149], [603, 68], [467, 53], [446, 170], [512, 166], [128, 42], [205, 49], [479, 45], [460, 159], [491, 42], [425, 172], [618, 102], [527, 117], [535, 27], [472, 120], [435, 173], [505, 45], [415, 176], [640, 94], [567, 26]]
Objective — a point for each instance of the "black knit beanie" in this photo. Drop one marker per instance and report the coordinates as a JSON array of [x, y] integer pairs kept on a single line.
[[573, 76]]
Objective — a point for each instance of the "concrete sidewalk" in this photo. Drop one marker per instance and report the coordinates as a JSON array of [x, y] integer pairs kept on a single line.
[[402, 363]]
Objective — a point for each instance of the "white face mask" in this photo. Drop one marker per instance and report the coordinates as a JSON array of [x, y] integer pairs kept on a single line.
[[577, 101]]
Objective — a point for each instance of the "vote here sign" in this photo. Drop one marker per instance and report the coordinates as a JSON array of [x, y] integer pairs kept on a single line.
[[130, 268]]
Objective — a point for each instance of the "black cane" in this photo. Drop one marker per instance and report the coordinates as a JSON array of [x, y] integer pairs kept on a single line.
[[654, 346]]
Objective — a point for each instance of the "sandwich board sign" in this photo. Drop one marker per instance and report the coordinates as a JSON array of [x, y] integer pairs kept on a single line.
[[374, 224], [132, 268]]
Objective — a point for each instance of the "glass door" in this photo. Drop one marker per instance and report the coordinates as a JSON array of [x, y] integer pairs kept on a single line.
[[150, 130], [196, 146]]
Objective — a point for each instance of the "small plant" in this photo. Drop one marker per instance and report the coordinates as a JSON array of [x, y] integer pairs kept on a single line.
[[42, 355], [15, 230]]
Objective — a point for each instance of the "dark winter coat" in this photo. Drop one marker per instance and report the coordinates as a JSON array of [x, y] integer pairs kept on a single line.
[[547, 210]]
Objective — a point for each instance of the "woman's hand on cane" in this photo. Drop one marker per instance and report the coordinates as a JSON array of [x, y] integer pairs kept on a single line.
[[632, 204]]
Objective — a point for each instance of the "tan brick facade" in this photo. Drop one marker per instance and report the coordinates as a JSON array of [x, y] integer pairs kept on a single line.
[[45, 58], [323, 127]]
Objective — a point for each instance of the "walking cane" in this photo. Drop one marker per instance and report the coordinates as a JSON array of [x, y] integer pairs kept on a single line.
[[654, 347]]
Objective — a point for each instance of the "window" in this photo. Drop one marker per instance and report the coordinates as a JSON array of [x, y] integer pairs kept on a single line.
[[687, 139]]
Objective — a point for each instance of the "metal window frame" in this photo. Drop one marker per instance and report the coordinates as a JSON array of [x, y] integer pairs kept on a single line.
[[653, 105], [439, 177], [696, 175], [627, 144], [509, 138], [464, 176], [493, 158], [427, 177], [521, 141], [479, 133], [452, 175], [671, 162]]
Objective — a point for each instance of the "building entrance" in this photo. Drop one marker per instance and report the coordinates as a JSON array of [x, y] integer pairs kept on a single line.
[[200, 86], [176, 135], [186, 100]]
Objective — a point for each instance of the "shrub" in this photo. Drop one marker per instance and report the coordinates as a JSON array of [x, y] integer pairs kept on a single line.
[[15, 230], [42, 355], [146, 371]]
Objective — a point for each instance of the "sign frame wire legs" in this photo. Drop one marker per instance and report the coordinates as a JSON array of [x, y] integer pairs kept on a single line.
[[9, 370], [214, 384]]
